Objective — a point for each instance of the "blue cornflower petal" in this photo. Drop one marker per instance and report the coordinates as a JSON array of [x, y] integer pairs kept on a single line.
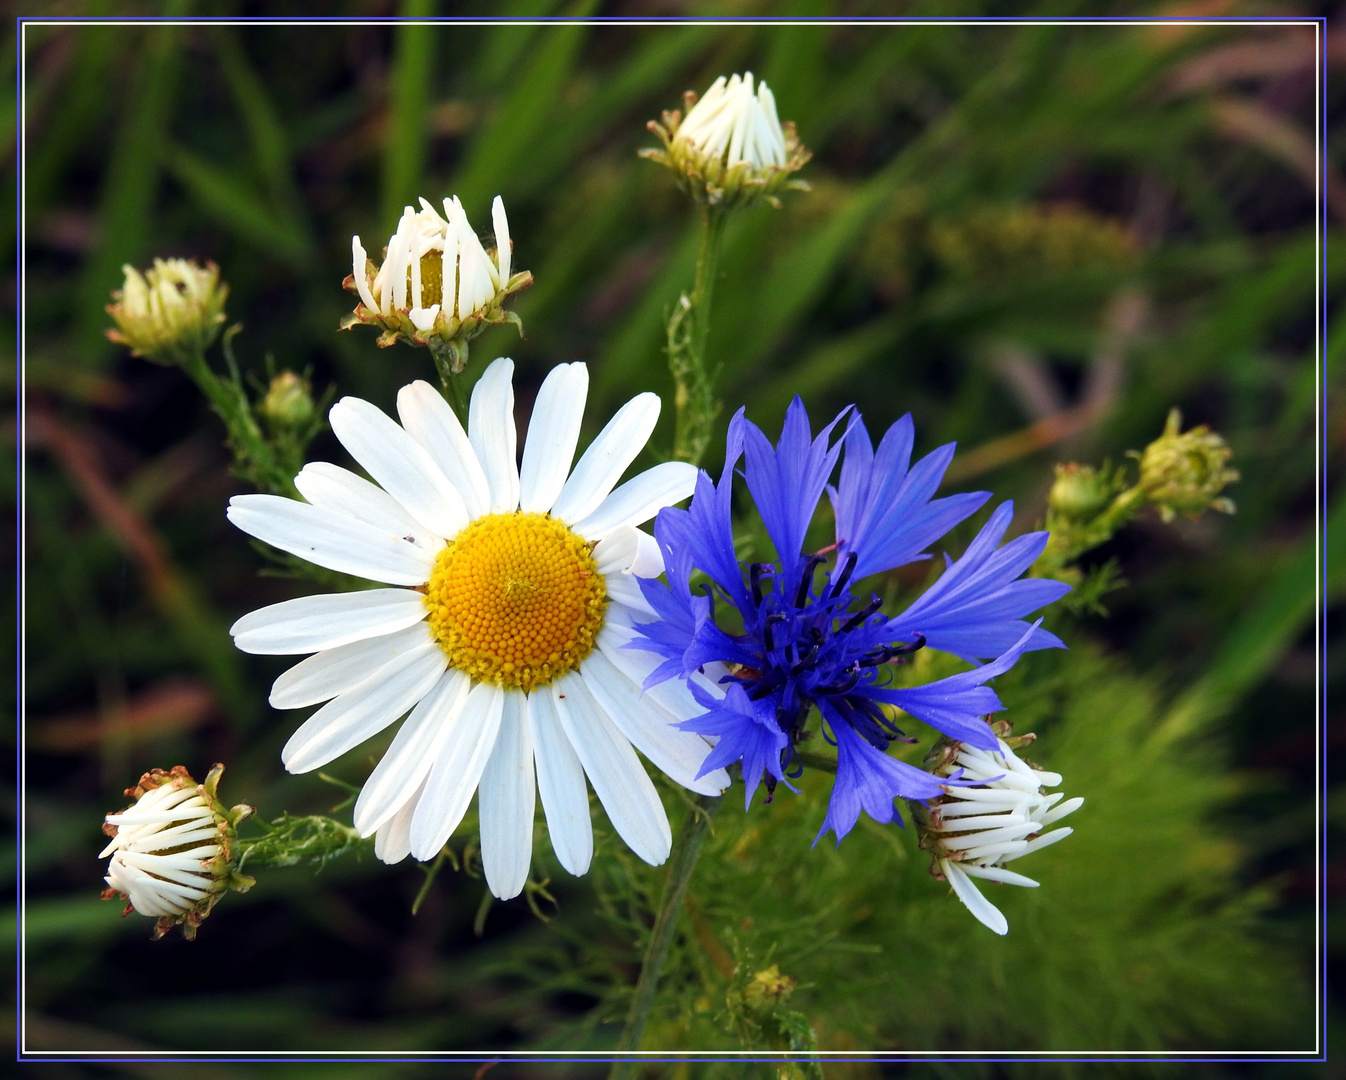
[[975, 610], [956, 705], [747, 731], [787, 482], [885, 513], [709, 534], [869, 780]]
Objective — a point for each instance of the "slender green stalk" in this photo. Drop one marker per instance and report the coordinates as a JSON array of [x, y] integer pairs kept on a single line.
[[697, 406], [688, 327], [450, 359], [681, 863], [255, 455], [291, 841]]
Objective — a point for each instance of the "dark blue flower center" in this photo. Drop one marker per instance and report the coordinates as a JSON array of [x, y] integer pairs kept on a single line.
[[815, 649]]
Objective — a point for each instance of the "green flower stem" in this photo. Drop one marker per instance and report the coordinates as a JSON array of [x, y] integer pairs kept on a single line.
[[696, 404], [256, 457], [1071, 539], [291, 840], [450, 359], [681, 864], [688, 327]]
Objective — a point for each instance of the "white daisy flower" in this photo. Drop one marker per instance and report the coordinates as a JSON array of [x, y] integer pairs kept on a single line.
[[513, 591], [437, 285], [974, 831]]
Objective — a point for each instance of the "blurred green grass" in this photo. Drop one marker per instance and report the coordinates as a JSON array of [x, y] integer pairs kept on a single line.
[[1007, 222]]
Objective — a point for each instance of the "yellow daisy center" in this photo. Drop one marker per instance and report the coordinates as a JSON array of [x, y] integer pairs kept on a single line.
[[516, 599], [432, 280]]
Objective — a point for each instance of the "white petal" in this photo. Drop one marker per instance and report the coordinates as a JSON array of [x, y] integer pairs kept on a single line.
[[997, 873], [475, 268], [607, 458], [400, 465], [392, 843], [560, 781], [768, 102], [334, 671], [986, 912], [502, 245], [359, 266], [680, 754], [616, 552], [490, 425], [983, 821], [1045, 840], [553, 433], [639, 499], [485, 277], [505, 801], [457, 769], [1067, 807], [429, 420], [423, 318], [407, 763], [1007, 850], [312, 623], [342, 492], [615, 772], [396, 265], [625, 589], [649, 560], [331, 540], [363, 712]]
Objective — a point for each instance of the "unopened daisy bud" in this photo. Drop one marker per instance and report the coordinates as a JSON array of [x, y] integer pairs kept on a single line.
[[768, 987], [1185, 473], [438, 286], [171, 850], [170, 313], [288, 403], [730, 149], [1080, 492], [973, 831]]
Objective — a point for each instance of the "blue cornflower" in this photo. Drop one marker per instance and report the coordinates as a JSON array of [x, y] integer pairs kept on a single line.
[[807, 641]]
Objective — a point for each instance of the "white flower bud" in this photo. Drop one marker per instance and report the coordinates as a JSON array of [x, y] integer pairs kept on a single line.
[[973, 831], [438, 286], [170, 850], [731, 148]]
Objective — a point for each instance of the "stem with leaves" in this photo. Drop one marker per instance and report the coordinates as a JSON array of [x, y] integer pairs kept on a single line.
[[681, 863], [270, 464], [688, 327]]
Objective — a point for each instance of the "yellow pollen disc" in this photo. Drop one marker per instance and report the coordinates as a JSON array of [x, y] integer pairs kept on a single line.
[[516, 599], [432, 279]]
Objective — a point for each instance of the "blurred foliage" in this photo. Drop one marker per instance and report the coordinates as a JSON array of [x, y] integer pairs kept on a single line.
[[1035, 238]]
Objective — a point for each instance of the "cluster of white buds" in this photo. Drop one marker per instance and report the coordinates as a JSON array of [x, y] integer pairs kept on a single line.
[[170, 313], [171, 850], [1003, 815], [731, 148], [438, 286]]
